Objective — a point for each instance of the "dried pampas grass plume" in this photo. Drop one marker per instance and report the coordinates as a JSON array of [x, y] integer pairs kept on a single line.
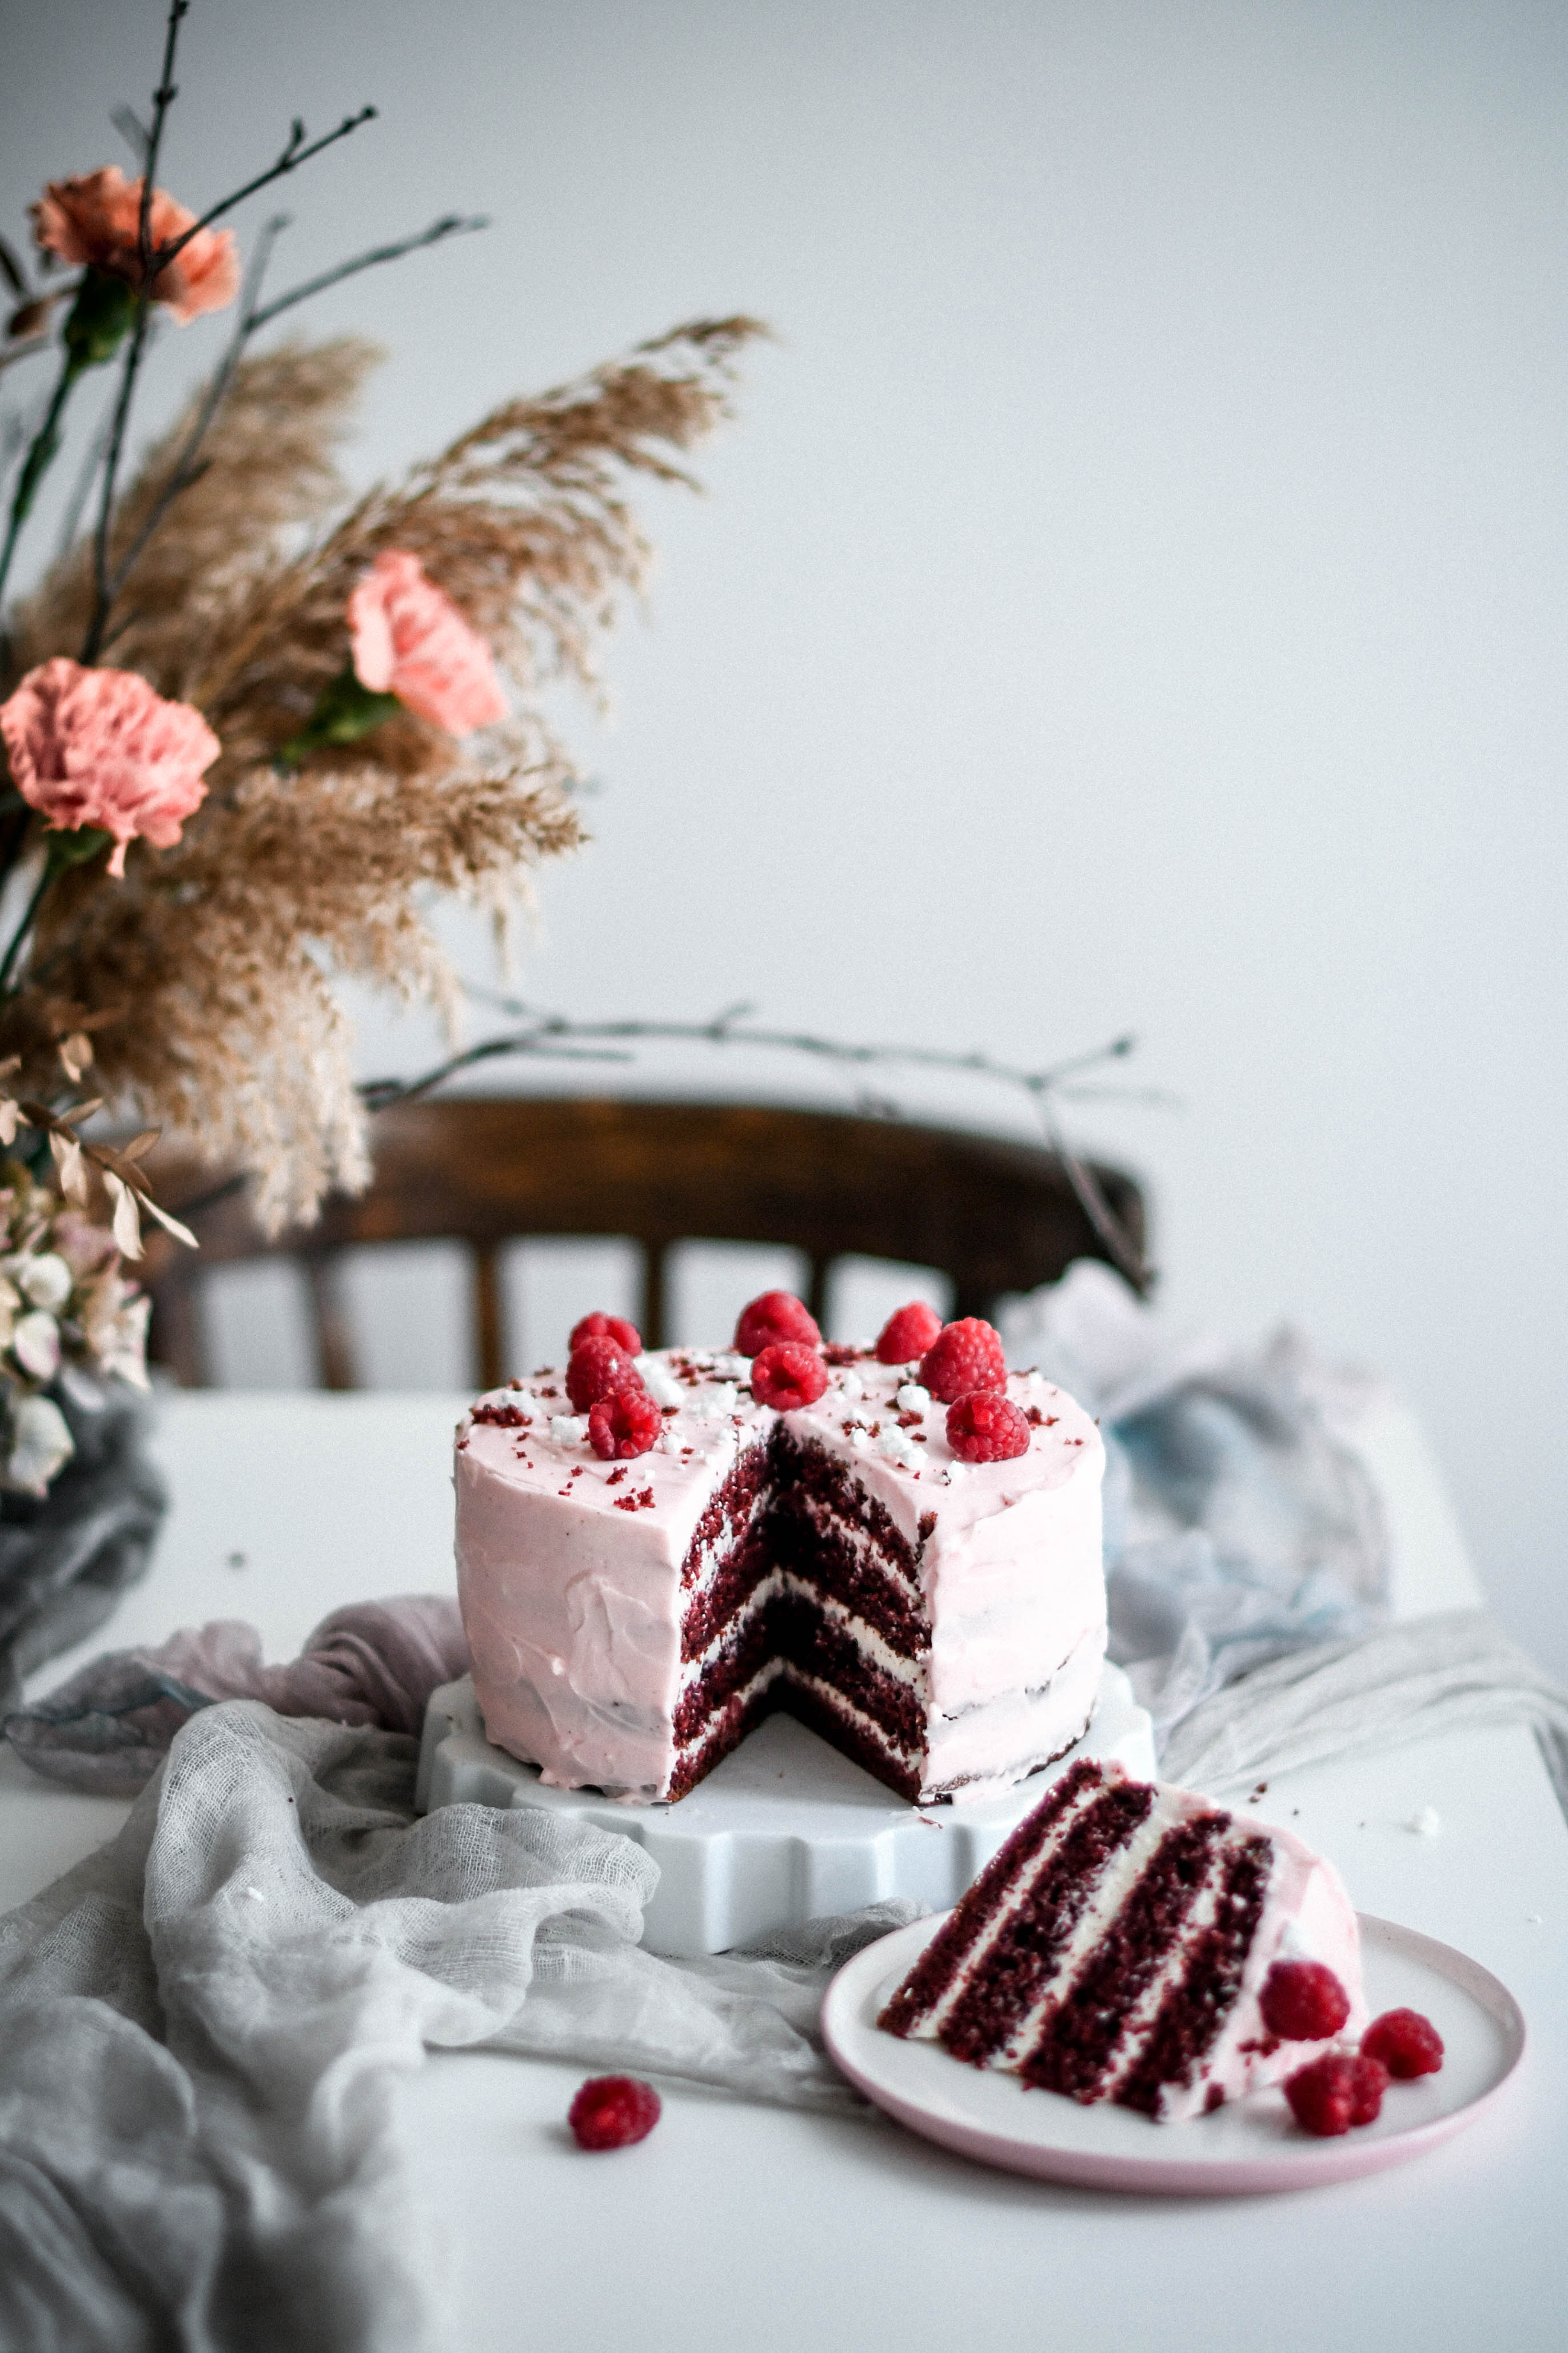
[[216, 957]]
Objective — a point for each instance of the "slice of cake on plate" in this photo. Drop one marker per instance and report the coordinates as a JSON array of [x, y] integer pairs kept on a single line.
[[1134, 1942], [653, 1553]]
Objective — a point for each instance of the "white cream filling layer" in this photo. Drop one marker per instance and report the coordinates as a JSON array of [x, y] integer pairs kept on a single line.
[[910, 1671]]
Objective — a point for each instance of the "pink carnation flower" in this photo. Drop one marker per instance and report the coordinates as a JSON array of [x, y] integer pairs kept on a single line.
[[96, 221], [409, 640], [99, 747]]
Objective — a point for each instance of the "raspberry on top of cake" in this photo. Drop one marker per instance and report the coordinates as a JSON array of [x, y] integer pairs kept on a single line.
[[1134, 1942], [657, 1549]]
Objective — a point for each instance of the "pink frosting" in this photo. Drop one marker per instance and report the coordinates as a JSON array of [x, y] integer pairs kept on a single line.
[[572, 1602]]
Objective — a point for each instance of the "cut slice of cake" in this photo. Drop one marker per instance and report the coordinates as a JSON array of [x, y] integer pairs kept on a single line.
[[1126, 1943], [941, 1620]]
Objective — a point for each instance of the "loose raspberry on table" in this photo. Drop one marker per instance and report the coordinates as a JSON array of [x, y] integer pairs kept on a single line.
[[986, 1427], [606, 1327], [1303, 2002], [908, 1333], [774, 1317], [598, 1367], [1332, 2093], [1406, 2043], [624, 1424], [787, 1374], [611, 2111], [965, 1356]]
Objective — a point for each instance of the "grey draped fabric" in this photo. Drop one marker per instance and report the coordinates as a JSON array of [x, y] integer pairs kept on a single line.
[[107, 1727], [1449, 1672], [200, 2027], [1240, 1524], [67, 1557]]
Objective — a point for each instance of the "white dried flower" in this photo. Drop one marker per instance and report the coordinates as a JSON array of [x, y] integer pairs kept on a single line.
[[41, 1443], [121, 1342], [45, 1281], [36, 1344]]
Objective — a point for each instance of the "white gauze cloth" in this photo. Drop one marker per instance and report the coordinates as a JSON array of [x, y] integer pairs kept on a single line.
[[200, 2026]]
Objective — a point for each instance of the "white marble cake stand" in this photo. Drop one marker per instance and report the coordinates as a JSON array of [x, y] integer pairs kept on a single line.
[[783, 1830]]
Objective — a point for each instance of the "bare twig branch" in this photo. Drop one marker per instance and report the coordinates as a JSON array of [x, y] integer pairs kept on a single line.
[[552, 1037], [451, 226], [297, 151], [186, 468]]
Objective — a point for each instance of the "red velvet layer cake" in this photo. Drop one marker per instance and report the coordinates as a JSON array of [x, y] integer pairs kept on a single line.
[[1123, 1945], [940, 1619]]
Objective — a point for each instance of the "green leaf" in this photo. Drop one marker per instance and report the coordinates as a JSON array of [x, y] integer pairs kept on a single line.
[[345, 710]]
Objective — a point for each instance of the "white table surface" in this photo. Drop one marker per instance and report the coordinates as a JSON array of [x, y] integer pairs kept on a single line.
[[740, 2227]]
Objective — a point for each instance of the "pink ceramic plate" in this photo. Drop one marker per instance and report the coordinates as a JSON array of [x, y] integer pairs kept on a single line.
[[1252, 2144]]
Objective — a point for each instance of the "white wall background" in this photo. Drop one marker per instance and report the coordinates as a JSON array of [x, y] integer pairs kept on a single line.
[[1132, 595]]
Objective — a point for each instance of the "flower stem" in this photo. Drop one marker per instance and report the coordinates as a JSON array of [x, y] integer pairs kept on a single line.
[[46, 441], [29, 918]]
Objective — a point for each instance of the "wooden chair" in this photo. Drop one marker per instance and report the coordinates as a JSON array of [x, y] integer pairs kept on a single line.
[[992, 1215]]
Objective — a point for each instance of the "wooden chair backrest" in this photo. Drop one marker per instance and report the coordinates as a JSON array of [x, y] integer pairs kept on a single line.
[[992, 1215]]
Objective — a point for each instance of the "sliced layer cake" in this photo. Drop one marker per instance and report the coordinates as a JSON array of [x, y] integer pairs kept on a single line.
[[1125, 1944], [940, 1621]]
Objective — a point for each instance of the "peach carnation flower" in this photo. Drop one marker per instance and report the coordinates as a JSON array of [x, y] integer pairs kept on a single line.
[[410, 640], [95, 221], [99, 747]]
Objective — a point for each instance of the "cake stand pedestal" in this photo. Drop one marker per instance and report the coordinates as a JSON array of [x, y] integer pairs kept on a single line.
[[783, 1830]]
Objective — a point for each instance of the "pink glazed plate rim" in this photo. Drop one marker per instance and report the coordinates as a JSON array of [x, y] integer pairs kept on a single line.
[[1246, 2148]]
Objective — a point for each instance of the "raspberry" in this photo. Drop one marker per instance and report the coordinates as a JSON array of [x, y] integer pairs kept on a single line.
[[776, 1316], [964, 1356], [1303, 2002], [606, 1327], [624, 1424], [611, 2111], [908, 1333], [1407, 2043], [599, 1366], [986, 1427], [786, 1375], [1330, 2094]]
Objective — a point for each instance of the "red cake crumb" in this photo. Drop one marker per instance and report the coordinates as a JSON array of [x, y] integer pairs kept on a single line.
[[1406, 2043], [838, 1352], [1303, 2002], [624, 1424], [986, 1427], [613, 2111], [626, 1335], [1335, 2092], [772, 1318], [965, 1356], [504, 1417], [908, 1333], [786, 1375], [599, 1368]]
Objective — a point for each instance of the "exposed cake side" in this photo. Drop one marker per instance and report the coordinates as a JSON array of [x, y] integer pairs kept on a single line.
[[943, 1621], [1116, 1949]]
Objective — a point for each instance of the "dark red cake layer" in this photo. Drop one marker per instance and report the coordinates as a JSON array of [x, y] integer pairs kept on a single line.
[[1077, 2040], [815, 1709], [794, 1627], [991, 2005], [1194, 2010], [951, 1948]]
